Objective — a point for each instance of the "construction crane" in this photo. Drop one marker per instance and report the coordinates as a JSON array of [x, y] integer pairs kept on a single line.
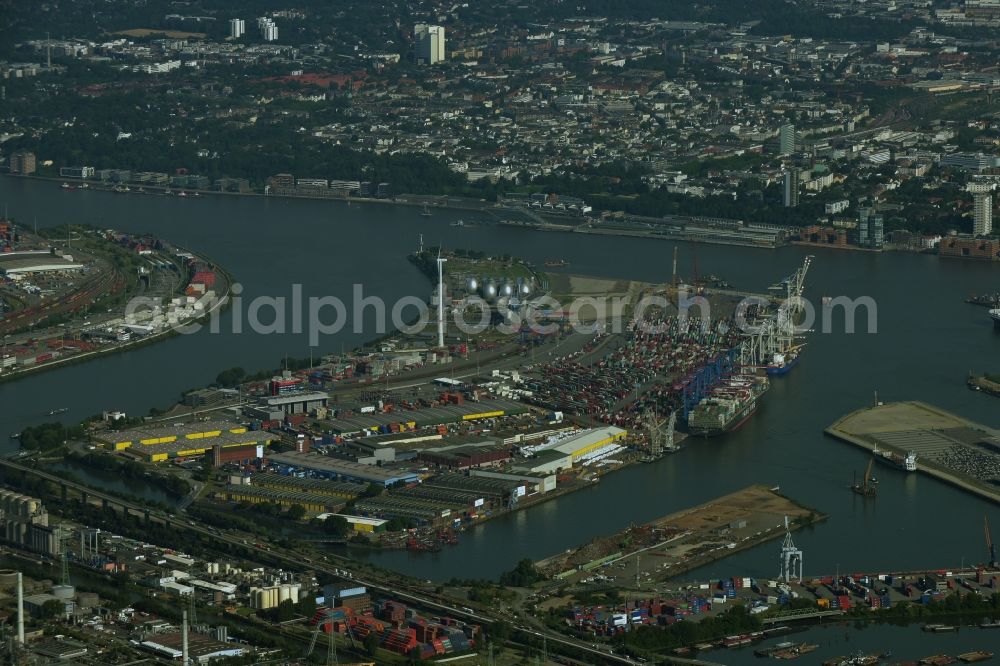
[[869, 485], [990, 547]]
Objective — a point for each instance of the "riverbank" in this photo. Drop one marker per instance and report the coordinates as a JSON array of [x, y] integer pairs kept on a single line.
[[412, 200], [686, 539], [930, 432], [219, 306]]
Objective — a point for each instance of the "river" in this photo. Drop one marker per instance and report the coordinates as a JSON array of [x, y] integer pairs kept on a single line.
[[927, 341]]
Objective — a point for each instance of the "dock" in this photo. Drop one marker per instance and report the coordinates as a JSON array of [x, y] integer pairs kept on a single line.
[[949, 447]]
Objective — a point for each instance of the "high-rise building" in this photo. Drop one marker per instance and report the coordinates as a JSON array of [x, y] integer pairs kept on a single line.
[[22, 162], [430, 43], [982, 224], [791, 198], [268, 29], [786, 140], [237, 27], [871, 228]]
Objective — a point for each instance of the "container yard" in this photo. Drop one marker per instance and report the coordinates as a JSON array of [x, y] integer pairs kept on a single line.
[[947, 446], [648, 554], [780, 605]]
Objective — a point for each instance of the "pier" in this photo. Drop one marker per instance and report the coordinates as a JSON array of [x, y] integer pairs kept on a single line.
[[949, 447]]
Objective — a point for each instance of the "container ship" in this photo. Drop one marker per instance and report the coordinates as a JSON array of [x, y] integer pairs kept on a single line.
[[728, 406], [907, 463]]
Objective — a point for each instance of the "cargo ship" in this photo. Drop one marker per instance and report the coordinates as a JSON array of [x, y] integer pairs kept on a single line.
[[783, 363], [907, 463], [728, 406]]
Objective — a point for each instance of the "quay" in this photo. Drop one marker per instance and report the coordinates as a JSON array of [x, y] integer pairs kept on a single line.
[[950, 448]]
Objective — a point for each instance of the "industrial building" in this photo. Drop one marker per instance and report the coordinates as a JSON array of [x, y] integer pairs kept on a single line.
[[155, 444], [581, 444], [451, 497], [201, 648], [311, 502], [341, 469], [372, 423], [25, 522], [272, 595], [288, 483], [464, 456], [364, 524], [19, 263]]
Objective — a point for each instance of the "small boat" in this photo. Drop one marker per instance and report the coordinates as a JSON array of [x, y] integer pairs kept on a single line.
[[989, 625], [15, 435], [182, 194], [939, 628], [60, 410], [458, 223], [556, 263], [974, 656], [84, 186], [425, 212], [68, 187]]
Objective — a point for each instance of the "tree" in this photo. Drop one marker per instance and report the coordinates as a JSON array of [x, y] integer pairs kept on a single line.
[[336, 526], [296, 512], [523, 575], [371, 643], [307, 605], [230, 378], [286, 610]]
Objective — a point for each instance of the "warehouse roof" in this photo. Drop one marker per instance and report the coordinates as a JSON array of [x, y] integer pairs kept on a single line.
[[587, 438], [343, 468], [292, 398]]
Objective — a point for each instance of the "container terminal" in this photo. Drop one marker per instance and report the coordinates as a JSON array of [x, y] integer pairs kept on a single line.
[[943, 445], [438, 437]]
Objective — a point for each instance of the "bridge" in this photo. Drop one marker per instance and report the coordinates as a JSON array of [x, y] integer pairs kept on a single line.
[[801, 614], [86, 493]]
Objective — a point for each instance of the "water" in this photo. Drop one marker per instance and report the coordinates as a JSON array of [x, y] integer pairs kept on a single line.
[[927, 341], [114, 482]]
